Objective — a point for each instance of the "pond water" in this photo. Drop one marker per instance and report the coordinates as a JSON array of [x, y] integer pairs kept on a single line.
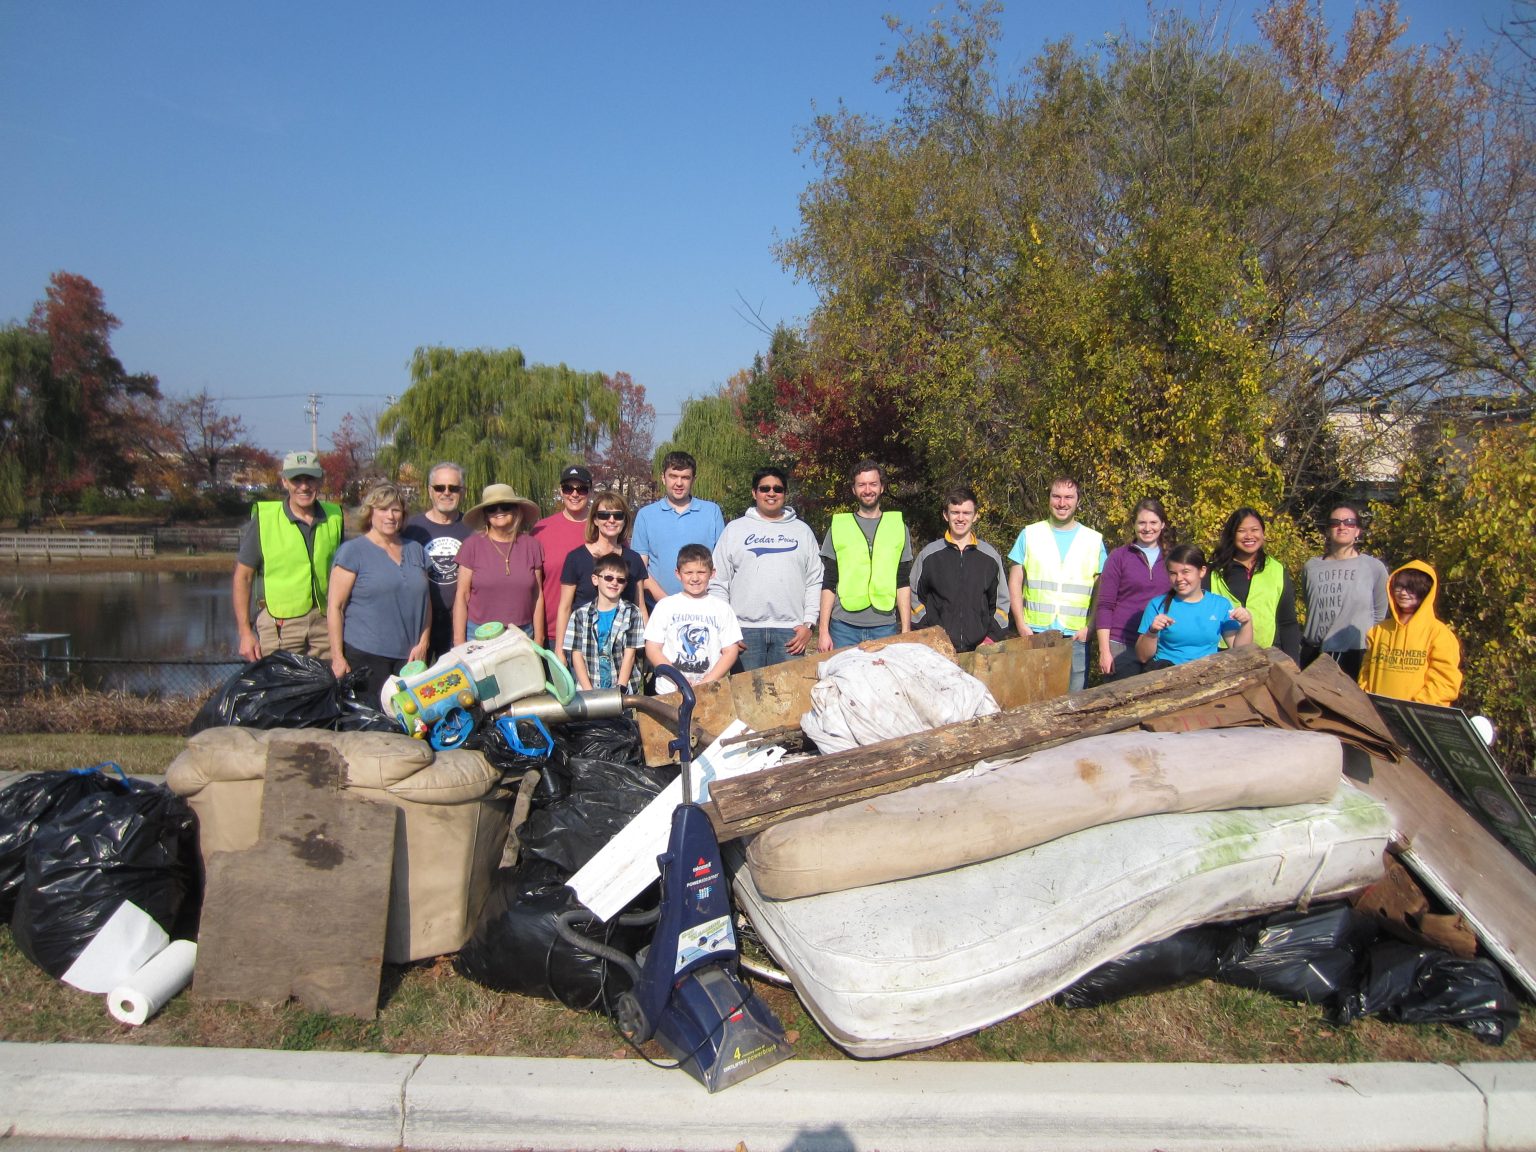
[[140, 631]]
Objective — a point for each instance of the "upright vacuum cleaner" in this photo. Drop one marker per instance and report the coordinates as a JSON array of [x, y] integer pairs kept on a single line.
[[686, 991]]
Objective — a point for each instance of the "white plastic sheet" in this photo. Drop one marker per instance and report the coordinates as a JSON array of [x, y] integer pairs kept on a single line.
[[865, 697]]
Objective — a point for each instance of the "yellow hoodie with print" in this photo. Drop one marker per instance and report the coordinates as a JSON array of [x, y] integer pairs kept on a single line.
[[1417, 660]]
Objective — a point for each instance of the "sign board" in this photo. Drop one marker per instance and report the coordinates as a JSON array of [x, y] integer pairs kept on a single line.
[[1444, 739]]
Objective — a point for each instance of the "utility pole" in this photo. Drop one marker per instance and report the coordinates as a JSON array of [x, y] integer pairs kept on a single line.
[[312, 409]]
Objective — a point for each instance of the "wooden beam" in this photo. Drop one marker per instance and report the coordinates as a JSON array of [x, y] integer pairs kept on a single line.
[[751, 803]]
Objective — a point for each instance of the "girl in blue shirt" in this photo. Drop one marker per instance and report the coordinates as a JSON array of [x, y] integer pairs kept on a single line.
[[1189, 622]]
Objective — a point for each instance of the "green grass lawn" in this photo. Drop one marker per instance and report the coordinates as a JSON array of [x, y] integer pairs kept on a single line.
[[145, 755]]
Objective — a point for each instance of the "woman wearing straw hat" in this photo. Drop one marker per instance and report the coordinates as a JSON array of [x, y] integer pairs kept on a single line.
[[501, 567]]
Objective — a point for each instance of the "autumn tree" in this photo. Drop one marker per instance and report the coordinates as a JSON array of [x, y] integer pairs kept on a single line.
[[623, 458], [74, 319], [505, 420], [205, 442], [40, 425], [1160, 264], [351, 462]]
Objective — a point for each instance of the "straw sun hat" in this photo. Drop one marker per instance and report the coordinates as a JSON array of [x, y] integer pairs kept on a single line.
[[502, 494]]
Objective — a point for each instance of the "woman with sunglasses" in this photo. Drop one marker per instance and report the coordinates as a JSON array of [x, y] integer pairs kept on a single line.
[[501, 567], [1345, 593], [608, 524]]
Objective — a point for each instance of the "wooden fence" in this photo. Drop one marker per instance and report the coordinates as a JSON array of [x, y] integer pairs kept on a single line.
[[46, 547]]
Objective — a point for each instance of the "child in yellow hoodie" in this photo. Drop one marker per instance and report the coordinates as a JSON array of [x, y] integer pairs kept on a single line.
[[1412, 654]]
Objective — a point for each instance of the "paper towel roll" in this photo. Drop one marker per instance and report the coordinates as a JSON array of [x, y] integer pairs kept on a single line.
[[148, 989]]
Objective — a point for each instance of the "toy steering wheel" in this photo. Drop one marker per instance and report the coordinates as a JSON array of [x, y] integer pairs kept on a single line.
[[453, 729]]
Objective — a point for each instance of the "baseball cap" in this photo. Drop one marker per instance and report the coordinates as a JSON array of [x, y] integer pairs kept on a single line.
[[302, 464], [577, 473]]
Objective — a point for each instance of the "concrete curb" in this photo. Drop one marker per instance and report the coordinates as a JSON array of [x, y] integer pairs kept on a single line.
[[114, 1092]]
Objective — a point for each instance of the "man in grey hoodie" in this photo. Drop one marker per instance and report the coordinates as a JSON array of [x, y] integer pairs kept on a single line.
[[768, 568]]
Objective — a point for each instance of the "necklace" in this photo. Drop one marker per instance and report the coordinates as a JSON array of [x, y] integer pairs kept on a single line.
[[506, 557]]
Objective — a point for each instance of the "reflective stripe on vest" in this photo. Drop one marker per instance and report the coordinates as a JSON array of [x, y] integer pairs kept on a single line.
[[1263, 603], [293, 582], [1057, 588], [866, 572]]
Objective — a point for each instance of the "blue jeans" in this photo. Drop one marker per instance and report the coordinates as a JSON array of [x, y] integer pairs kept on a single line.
[[762, 647], [847, 635]]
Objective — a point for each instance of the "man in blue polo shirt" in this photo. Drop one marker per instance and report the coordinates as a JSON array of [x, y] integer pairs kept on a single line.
[[676, 519]]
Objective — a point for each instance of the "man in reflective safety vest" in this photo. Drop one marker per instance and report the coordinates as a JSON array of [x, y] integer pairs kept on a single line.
[[1055, 564], [866, 559], [285, 558]]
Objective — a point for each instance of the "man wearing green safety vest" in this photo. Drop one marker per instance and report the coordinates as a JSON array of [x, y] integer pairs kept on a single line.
[[866, 556], [285, 560], [1055, 564]]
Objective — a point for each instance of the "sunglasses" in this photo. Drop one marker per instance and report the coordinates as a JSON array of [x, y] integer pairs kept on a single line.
[[770, 487], [500, 509], [1350, 522], [570, 488], [609, 579], [607, 515], [442, 488]]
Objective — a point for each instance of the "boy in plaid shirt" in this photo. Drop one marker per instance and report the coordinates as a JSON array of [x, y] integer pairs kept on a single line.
[[604, 633]]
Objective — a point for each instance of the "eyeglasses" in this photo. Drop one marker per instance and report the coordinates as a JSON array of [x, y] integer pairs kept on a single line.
[[608, 578], [500, 509], [608, 515], [304, 482], [770, 487], [444, 488], [570, 488], [1348, 522]]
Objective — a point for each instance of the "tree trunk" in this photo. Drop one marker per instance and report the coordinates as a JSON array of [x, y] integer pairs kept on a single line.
[[751, 803]]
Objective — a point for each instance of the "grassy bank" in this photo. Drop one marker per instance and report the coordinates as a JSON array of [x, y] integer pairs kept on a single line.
[[430, 1008], [142, 755]]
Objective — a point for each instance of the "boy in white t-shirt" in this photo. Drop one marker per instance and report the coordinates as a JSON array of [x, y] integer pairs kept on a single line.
[[696, 633]]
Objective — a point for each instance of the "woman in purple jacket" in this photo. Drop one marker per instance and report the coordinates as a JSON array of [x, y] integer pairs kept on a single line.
[[1133, 575]]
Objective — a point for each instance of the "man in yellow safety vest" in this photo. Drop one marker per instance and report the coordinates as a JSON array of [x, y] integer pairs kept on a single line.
[[866, 556], [285, 559], [1055, 564]]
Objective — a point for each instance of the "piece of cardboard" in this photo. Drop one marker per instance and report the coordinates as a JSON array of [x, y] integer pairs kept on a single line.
[[302, 914]]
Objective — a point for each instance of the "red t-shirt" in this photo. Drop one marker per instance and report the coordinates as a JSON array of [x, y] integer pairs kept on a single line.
[[558, 534]]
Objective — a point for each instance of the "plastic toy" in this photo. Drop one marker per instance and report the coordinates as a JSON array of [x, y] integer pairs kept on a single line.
[[498, 666]]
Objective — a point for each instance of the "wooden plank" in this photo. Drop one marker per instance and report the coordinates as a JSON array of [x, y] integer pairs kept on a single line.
[[1457, 858], [750, 803], [1022, 669], [303, 913]]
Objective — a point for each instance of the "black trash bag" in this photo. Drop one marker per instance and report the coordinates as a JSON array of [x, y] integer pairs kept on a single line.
[[1186, 957], [1411, 984], [515, 947], [138, 846], [601, 798], [513, 765], [286, 690], [1310, 957], [616, 740], [32, 803]]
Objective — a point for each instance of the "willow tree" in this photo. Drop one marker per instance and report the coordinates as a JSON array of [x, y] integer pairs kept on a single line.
[[504, 420]]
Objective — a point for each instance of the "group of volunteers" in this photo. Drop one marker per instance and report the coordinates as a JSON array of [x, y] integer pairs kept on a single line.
[[611, 590]]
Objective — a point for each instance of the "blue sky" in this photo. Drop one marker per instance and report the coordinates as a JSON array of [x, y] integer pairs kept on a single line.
[[285, 198]]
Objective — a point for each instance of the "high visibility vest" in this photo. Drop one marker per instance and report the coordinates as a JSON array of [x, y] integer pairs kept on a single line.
[[293, 581], [1057, 588], [866, 572], [1263, 603]]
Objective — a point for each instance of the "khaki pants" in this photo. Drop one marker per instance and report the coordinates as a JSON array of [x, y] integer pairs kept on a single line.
[[304, 634]]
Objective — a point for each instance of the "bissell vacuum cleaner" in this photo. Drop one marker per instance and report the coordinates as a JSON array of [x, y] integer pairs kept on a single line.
[[686, 990]]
